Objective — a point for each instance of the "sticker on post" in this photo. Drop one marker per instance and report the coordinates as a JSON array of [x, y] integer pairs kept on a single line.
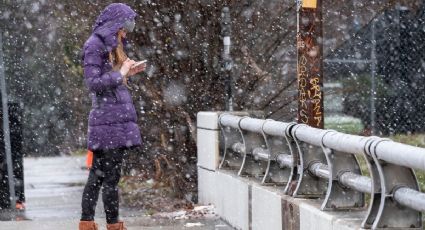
[[309, 4]]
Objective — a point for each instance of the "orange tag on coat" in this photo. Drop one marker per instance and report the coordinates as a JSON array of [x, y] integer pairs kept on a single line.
[[309, 4], [89, 159]]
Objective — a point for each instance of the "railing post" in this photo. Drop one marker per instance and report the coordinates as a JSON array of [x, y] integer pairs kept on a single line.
[[250, 165], [281, 168], [232, 155], [376, 191], [338, 196], [390, 214], [308, 185], [310, 63]]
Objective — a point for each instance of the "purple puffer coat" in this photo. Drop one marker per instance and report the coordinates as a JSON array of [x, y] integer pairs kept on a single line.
[[112, 120]]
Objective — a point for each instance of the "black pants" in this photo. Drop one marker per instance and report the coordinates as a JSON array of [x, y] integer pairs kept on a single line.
[[106, 172]]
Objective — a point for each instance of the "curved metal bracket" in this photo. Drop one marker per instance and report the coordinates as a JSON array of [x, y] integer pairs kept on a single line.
[[293, 180], [279, 146], [339, 197], [251, 166], [389, 213], [307, 184], [229, 158], [376, 193]]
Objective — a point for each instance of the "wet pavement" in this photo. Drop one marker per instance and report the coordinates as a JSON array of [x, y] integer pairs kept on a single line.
[[53, 189]]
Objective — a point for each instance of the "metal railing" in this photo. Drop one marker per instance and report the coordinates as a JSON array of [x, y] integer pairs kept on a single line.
[[316, 163]]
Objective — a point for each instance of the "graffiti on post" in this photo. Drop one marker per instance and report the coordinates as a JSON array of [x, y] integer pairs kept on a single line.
[[315, 94], [310, 73], [302, 84]]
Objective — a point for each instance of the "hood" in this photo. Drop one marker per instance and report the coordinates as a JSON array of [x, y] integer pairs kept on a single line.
[[110, 21]]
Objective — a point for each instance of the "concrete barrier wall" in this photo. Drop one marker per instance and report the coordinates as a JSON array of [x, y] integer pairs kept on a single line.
[[247, 205]]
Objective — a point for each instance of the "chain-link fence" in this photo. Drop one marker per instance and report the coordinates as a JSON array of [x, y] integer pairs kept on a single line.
[[374, 81]]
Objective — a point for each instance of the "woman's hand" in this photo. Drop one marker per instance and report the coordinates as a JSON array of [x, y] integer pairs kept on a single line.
[[126, 66], [136, 69]]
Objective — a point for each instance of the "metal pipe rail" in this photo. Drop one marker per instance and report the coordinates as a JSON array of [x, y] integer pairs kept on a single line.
[[323, 162], [410, 198], [267, 152], [403, 195], [348, 179], [357, 182], [401, 154], [238, 148], [284, 160]]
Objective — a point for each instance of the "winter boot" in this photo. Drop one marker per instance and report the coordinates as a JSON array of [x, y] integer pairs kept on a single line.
[[117, 226], [20, 206], [87, 225]]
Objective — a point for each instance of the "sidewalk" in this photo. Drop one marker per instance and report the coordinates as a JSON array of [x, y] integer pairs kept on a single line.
[[133, 223], [53, 188]]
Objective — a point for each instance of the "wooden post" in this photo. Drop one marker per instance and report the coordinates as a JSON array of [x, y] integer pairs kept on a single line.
[[310, 63]]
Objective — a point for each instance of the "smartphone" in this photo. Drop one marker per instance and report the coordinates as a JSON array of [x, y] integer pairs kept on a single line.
[[138, 63]]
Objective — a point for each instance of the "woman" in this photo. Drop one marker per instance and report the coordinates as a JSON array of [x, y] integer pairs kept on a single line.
[[112, 120]]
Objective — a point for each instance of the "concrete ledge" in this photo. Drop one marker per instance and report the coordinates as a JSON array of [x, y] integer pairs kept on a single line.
[[208, 149], [266, 209], [207, 120], [311, 217], [245, 204], [206, 186], [232, 200]]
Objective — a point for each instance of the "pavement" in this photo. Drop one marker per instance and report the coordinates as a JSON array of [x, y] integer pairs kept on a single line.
[[53, 189]]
